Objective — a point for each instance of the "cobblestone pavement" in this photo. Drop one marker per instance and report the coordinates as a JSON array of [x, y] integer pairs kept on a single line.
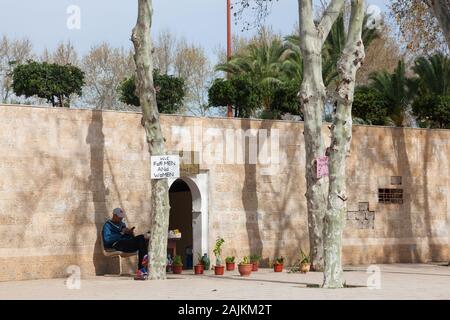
[[398, 281]]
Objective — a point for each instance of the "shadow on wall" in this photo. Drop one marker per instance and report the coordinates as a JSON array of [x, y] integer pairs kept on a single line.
[[276, 201], [96, 183], [250, 199], [415, 214], [288, 220]]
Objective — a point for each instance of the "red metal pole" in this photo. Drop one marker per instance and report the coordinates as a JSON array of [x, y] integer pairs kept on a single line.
[[229, 53]]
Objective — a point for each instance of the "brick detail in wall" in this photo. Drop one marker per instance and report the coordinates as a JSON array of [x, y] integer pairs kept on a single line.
[[361, 219]]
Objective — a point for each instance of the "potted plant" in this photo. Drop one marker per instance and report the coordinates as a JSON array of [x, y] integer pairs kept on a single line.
[[278, 264], [305, 262], [177, 265], [218, 268], [254, 260], [230, 263], [245, 267], [199, 268]]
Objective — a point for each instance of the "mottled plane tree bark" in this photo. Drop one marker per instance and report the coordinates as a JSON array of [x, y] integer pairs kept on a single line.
[[441, 10], [327, 208], [313, 96], [423, 23], [145, 90], [350, 61]]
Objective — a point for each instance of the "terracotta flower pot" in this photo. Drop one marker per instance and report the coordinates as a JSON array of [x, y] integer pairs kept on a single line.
[[278, 267], [304, 267], [199, 268], [219, 270], [255, 266], [177, 269], [245, 269], [230, 266]]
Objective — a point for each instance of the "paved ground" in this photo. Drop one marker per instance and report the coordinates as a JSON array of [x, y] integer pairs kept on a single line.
[[398, 281]]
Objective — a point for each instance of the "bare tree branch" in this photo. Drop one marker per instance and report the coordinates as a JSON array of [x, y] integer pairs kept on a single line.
[[330, 15]]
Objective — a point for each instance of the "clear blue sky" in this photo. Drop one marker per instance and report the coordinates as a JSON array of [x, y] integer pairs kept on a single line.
[[200, 21]]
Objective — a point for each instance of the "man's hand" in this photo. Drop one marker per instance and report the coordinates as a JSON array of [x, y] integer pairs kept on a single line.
[[129, 231]]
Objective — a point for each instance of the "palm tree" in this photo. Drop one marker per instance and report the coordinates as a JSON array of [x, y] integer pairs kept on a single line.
[[434, 75], [262, 62], [397, 90], [270, 62], [292, 64], [432, 106]]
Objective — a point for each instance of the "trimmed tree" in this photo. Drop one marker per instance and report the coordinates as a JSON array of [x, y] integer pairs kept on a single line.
[[284, 100], [240, 91], [170, 92], [53, 82], [145, 90], [370, 107]]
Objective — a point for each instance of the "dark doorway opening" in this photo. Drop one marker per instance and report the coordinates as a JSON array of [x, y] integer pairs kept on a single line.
[[180, 198]]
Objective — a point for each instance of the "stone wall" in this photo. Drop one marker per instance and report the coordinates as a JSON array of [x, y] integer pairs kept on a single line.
[[63, 171]]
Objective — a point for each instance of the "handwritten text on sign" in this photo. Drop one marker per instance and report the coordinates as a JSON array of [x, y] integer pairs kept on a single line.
[[322, 167], [165, 167]]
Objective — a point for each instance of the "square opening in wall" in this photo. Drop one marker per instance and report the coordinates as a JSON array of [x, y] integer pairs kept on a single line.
[[396, 180]]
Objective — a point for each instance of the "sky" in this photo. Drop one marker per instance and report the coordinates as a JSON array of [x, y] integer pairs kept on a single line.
[[202, 22]]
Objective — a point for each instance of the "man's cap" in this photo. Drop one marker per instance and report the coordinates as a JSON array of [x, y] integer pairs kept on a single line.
[[119, 212]]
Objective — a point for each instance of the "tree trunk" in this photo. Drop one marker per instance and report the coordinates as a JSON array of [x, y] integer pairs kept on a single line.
[[159, 222], [312, 98], [350, 61], [441, 10]]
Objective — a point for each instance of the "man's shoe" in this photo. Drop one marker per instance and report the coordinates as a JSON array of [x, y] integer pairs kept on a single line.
[[141, 274]]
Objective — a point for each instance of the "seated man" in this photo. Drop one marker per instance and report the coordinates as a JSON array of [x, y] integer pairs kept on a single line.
[[116, 235]]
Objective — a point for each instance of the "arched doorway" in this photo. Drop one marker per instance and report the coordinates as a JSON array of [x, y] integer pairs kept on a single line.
[[189, 200], [180, 198]]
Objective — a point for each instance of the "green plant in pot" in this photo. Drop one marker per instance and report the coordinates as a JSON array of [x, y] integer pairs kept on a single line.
[[305, 262], [278, 264], [254, 260], [199, 268], [230, 263], [177, 265], [219, 268], [245, 267]]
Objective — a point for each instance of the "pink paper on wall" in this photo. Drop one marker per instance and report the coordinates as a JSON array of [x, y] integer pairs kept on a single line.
[[322, 167]]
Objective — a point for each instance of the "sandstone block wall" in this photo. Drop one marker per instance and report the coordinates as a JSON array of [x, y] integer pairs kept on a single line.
[[63, 171]]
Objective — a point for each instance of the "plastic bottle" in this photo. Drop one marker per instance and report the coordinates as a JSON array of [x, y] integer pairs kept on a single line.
[[169, 263], [206, 261]]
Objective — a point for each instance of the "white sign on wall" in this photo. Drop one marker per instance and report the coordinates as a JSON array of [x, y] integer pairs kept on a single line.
[[164, 167]]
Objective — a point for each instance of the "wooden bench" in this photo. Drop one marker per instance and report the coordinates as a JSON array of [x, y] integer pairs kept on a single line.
[[111, 252]]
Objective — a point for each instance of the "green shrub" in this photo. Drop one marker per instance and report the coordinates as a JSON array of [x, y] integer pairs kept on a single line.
[[229, 259], [177, 261], [370, 106], [432, 111], [170, 92], [245, 260], [255, 258], [53, 82]]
